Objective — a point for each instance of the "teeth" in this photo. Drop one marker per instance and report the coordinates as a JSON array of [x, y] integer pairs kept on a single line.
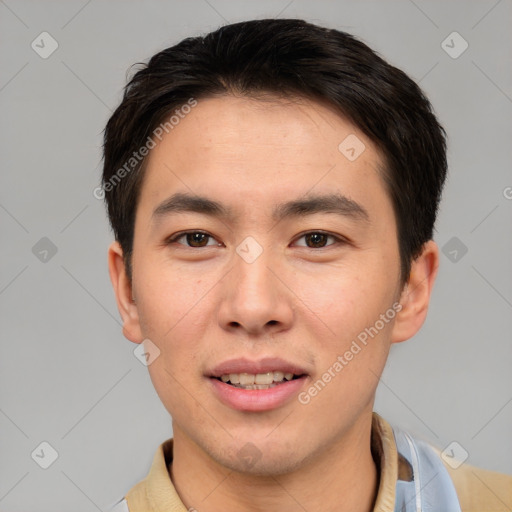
[[264, 378], [278, 376], [256, 386], [246, 379], [256, 381]]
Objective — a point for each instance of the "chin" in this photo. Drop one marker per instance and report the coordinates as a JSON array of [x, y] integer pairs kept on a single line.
[[258, 456], [264, 463]]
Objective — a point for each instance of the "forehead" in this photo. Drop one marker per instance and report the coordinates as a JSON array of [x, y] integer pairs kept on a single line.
[[292, 123], [234, 147]]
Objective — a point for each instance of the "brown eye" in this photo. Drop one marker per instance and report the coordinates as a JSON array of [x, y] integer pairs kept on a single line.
[[319, 240], [193, 239], [316, 240], [197, 239]]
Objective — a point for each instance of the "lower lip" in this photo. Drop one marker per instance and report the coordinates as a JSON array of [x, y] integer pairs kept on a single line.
[[257, 399]]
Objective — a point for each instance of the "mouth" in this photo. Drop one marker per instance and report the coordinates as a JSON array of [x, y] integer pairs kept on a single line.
[[253, 381], [257, 386]]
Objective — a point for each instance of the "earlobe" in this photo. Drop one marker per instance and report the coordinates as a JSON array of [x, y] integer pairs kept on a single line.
[[124, 294], [416, 294]]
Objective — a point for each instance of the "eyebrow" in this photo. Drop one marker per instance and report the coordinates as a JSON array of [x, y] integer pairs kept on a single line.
[[179, 203], [329, 203]]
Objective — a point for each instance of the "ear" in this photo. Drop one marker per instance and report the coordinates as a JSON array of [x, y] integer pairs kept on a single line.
[[415, 295], [123, 292]]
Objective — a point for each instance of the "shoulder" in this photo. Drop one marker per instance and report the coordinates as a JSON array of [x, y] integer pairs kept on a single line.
[[475, 489], [479, 489]]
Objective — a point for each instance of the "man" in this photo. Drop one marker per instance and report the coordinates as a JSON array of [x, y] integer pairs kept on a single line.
[[273, 188]]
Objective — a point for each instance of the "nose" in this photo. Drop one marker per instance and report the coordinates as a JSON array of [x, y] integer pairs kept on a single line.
[[255, 300]]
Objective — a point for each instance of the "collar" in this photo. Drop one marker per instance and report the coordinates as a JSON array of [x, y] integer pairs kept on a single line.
[[391, 466]]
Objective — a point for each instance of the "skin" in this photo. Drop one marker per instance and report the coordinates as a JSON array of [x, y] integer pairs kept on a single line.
[[204, 305]]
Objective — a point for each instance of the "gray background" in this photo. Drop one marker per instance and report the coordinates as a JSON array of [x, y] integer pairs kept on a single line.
[[67, 375]]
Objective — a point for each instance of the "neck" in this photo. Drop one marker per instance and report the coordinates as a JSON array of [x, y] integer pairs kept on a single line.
[[343, 477]]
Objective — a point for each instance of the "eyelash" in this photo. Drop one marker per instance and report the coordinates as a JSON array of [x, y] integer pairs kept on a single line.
[[337, 239]]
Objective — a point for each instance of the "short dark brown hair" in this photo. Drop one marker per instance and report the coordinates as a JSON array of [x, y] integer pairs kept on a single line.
[[286, 57]]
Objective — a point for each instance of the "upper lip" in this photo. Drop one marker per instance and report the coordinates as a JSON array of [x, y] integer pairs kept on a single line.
[[265, 365]]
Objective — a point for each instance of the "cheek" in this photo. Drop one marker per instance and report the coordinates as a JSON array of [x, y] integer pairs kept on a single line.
[[174, 307], [354, 344], [343, 303], [172, 300], [174, 373], [347, 373]]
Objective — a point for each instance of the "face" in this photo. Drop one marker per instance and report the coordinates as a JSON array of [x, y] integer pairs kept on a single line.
[[261, 248]]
